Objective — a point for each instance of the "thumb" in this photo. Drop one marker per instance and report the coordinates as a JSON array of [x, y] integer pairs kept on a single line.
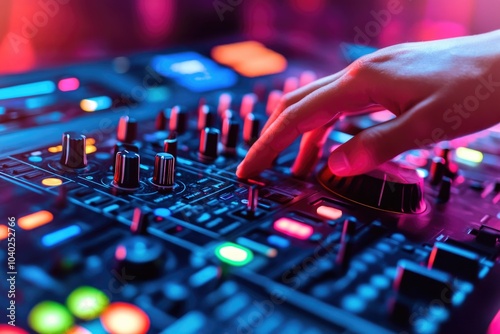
[[374, 146]]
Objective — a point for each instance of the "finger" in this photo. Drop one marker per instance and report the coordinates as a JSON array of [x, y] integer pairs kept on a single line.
[[313, 111], [311, 148], [380, 143], [299, 94]]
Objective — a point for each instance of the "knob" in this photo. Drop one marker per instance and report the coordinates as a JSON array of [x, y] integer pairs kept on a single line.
[[444, 190], [230, 134], [164, 170], [120, 147], [127, 129], [178, 119], [247, 104], [140, 256], [161, 120], [140, 220], [251, 129], [206, 117], [73, 150], [127, 170], [437, 170], [209, 142], [389, 187], [170, 144]]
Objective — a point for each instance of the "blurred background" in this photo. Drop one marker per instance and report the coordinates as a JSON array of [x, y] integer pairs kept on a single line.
[[46, 33]]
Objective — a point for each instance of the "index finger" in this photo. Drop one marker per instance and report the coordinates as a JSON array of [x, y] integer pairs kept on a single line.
[[314, 110]]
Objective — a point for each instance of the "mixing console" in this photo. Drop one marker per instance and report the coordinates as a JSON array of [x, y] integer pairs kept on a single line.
[[128, 217]]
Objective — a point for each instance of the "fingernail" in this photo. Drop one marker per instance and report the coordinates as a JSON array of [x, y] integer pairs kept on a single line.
[[338, 163]]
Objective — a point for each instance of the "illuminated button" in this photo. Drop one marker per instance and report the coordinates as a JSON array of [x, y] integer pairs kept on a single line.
[[78, 330], [86, 302], [328, 212], [35, 220], [353, 303], [61, 235], [55, 149], [8, 329], [50, 317], [293, 228], [4, 232], [90, 149], [68, 84], [35, 159], [95, 103], [233, 254], [52, 182], [467, 155], [30, 89], [278, 241], [124, 318]]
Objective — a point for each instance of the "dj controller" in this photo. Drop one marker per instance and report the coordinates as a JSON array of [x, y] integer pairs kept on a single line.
[[121, 212]]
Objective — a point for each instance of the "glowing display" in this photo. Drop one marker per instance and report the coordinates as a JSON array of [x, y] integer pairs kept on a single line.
[[31, 89], [251, 59], [293, 228], [468, 155], [50, 317], [87, 302], [35, 220], [61, 235], [52, 182], [233, 254], [329, 212], [68, 84], [95, 103], [124, 318], [4, 232]]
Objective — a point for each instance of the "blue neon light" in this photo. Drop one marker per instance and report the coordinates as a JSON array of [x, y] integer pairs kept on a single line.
[[61, 235], [31, 89]]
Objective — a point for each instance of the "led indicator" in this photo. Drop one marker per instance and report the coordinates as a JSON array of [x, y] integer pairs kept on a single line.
[[68, 84], [95, 103], [87, 303], [467, 155], [61, 235], [293, 228], [50, 317], [124, 318], [4, 232], [90, 149], [233, 254], [31, 89], [55, 149], [35, 220], [329, 212], [52, 182]]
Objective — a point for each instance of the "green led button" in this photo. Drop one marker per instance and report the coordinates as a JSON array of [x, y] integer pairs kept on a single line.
[[233, 254], [87, 302], [50, 317]]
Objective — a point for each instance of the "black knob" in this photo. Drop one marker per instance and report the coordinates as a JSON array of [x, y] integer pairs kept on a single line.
[[161, 120], [444, 190], [73, 150], [178, 119], [164, 170], [122, 146], [140, 220], [127, 129], [140, 256], [437, 170], [230, 134], [170, 144], [209, 142], [389, 187], [251, 129], [206, 117], [127, 170]]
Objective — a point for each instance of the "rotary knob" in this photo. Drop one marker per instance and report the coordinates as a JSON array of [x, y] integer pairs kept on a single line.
[[164, 171], [390, 187], [178, 120], [127, 129], [127, 170], [140, 256], [73, 150], [209, 141]]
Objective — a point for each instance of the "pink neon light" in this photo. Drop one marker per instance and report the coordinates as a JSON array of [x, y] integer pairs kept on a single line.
[[68, 85], [293, 228]]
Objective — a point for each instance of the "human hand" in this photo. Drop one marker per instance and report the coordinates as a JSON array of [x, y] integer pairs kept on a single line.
[[438, 90]]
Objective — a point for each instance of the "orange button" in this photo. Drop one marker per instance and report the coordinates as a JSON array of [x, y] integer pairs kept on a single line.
[[35, 220]]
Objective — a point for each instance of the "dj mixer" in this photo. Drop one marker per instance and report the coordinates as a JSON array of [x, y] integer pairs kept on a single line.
[[121, 212]]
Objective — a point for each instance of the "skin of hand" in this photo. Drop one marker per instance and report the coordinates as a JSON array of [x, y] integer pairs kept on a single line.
[[439, 90]]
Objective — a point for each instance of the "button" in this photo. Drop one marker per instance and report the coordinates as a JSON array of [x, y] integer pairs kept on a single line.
[[456, 261], [329, 212], [87, 302], [233, 254], [125, 318], [353, 303], [293, 228], [417, 282], [50, 317], [35, 220]]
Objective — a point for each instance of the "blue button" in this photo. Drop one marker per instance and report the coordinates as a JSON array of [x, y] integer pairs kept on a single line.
[[162, 212], [353, 303], [278, 241], [35, 159]]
